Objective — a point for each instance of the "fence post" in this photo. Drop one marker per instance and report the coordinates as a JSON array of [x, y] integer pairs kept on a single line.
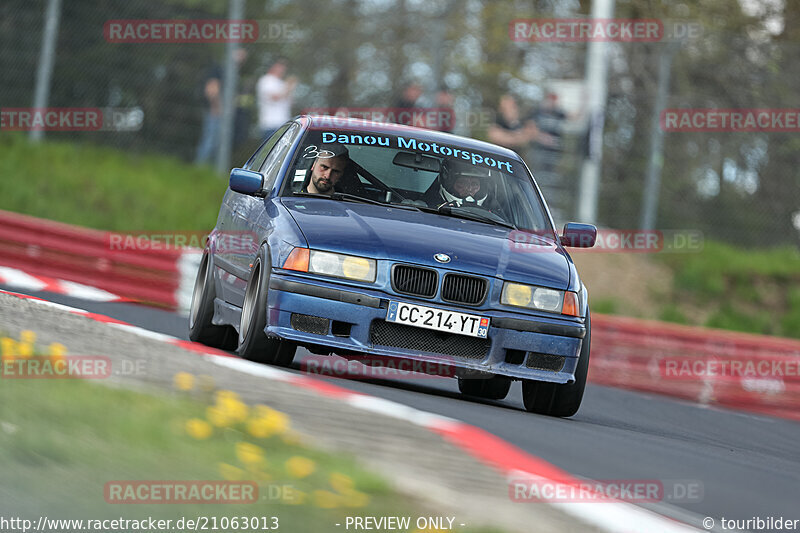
[[46, 60], [597, 85], [229, 79]]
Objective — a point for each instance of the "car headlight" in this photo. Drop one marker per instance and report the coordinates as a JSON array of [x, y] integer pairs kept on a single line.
[[342, 266], [539, 298]]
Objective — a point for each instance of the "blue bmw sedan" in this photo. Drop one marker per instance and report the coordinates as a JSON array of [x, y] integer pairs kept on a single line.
[[398, 243]]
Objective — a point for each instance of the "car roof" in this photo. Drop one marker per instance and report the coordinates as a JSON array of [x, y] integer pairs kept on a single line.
[[357, 124]]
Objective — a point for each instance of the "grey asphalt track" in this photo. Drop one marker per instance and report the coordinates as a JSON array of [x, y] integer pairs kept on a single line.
[[748, 465]]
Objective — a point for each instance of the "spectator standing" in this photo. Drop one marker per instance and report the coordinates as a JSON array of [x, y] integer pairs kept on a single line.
[[509, 130], [274, 96], [209, 137], [549, 118], [408, 99]]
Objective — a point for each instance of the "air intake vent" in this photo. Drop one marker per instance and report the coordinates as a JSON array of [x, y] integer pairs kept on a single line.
[[310, 324], [462, 289], [414, 281], [425, 340], [541, 361]]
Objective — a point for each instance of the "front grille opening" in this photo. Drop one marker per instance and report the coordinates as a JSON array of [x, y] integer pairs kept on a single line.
[[414, 281], [462, 289], [515, 357], [541, 361], [340, 329], [426, 340], [310, 324]]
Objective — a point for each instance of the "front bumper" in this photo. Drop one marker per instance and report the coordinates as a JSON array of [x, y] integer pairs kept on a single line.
[[355, 324]]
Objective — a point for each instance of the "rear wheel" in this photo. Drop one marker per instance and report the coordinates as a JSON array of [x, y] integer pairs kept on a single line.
[[253, 342], [494, 388], [201, 312], [556, 399]]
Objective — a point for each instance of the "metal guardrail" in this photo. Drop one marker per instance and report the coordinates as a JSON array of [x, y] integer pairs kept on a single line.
[[86, 256], [744, 371]]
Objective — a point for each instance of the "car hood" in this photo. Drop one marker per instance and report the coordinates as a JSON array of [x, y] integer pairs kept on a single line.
[[415, 237]]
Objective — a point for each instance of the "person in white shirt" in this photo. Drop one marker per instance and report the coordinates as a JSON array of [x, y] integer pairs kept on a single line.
[[274, 96]]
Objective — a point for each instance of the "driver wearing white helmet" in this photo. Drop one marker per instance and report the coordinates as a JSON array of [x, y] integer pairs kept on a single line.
[[461, 184]]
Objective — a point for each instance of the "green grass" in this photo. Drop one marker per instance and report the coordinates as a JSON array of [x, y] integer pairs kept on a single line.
[[104, 188], [744, 290], [672, 313], [720, 266], [61, 441], [606, 306]]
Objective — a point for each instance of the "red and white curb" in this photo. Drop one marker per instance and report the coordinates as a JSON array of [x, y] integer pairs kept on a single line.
[[19, 279], [609, 515]]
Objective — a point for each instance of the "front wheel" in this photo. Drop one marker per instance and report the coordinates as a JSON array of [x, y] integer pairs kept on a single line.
[[254, 344], [201, 312], [556, 399]]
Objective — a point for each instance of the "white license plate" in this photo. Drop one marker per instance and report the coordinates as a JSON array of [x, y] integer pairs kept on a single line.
[[438, 319]]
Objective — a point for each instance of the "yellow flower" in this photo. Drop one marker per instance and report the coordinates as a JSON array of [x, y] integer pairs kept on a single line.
[[57, 349], [183, 381], [341, 483], [24, 349], [355, 498], [258, 428], [8, 346], [218, 417], [27, 336], [230, 472], [249, 454], [199, 429], [300, 467], [267, 422], [325, 499], [232, 406]]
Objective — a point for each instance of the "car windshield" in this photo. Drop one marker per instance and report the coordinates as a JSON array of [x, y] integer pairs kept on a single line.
[[414, 173]]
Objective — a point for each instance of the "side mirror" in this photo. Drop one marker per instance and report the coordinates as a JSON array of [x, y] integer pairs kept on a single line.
[[578, 235], [246, 181]]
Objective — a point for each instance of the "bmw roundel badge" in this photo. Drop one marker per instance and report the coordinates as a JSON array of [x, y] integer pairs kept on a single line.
[[442, 258]]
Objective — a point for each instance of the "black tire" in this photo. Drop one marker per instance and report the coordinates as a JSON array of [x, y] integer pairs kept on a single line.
[[494, 388], [560, 399], [201, 311], [254, 344]]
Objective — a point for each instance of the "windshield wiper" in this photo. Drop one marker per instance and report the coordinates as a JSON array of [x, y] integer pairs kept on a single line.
[[472, 215]]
